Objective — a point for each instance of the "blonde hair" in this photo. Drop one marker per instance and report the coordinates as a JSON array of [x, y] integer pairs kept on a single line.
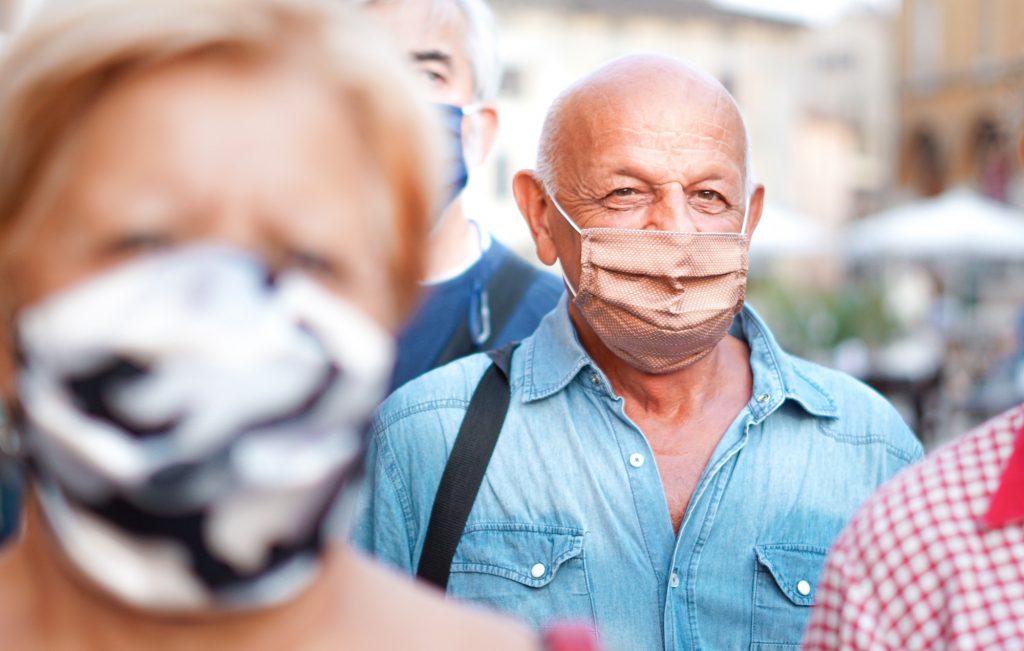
[[55, 72]]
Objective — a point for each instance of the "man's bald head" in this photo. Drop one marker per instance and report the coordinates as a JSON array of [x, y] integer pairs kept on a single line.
[[640, 87]]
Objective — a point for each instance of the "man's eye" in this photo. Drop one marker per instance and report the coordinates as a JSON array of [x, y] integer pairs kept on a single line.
[[710, 195], [311, 262], [710, 202], [433, 77], [132, 243], [623, 192]]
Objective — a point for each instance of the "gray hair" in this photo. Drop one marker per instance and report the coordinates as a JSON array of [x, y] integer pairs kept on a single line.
[[551, 143], [480, 41]]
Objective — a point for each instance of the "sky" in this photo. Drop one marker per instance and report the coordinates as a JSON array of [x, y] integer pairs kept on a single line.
[[815, 11]]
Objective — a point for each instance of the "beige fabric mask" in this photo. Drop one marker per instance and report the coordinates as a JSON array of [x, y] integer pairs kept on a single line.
[[660, 300]]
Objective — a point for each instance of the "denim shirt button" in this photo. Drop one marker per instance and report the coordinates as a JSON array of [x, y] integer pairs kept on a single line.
[[538, 570], [803, 587], [636, 459], [763, 398], [674, 581], [595, 379]]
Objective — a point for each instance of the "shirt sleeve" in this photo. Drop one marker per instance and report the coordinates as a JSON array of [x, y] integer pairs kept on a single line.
[[385, 527]]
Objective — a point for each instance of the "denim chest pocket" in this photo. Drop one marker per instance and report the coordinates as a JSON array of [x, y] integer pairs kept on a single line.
[[536, 573], [785, 581]]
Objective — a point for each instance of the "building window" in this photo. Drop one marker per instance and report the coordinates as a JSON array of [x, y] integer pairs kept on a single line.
[[833, 62], [925, 168], [512, 82], [991, 159], [728, 81], [502, 176]]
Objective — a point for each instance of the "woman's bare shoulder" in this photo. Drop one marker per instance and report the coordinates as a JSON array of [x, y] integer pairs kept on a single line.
[[409, 615]]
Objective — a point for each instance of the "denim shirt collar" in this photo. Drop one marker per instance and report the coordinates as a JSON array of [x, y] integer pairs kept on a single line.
[[554, 357]]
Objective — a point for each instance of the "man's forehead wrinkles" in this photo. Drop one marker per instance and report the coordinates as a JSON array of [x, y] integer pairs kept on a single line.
[[620, 140], [637, 134], [731, 120]]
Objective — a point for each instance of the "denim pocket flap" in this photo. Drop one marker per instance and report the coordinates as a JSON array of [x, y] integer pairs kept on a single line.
[[794, 567], [528, 554]]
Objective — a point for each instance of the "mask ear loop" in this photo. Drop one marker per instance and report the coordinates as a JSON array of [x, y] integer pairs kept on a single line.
[[472, 143], [576, 228], [746, 219]]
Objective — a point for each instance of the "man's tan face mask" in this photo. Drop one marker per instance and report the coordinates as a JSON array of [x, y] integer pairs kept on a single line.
[[660, 300]]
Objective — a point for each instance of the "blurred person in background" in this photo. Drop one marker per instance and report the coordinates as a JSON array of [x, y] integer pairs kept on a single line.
[[479, 294], [211, 214], [664, 469], [935, 559]]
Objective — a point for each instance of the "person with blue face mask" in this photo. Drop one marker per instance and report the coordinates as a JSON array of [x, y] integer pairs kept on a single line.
[[479, 294]]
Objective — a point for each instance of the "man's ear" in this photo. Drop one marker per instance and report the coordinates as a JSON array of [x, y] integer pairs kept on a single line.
[[533, 205], [755, 208], [479, 131]]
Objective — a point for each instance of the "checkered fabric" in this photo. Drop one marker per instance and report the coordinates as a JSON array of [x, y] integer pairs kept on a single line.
[[928, 562]]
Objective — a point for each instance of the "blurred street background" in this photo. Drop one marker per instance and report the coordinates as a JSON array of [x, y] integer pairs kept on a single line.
[[885, 133]]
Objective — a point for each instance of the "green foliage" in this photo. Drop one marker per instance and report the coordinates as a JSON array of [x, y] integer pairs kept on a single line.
[[811, 322]]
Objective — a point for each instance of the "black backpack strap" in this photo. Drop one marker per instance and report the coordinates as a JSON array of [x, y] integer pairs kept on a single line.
[[502, 357], [501, 296], [464, 472]]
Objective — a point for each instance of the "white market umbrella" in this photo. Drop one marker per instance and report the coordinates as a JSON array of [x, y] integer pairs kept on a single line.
[[783, 233], [957, 224]]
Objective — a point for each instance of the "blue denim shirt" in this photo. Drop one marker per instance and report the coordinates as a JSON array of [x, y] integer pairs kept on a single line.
[[572, 522]]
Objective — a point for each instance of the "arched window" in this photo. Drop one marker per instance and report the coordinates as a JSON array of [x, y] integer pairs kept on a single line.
[[990, 159], [923, 166]]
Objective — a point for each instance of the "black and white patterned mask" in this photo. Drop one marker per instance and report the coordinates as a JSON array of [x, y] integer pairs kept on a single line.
[[190, 420]]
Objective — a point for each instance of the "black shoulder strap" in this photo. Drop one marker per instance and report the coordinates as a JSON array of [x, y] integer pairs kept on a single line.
[[504, 291], [465, 470]]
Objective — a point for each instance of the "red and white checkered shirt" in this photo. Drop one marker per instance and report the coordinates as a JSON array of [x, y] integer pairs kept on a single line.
[[935, 559]]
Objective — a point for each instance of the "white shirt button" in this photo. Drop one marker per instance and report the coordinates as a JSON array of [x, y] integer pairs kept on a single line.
[[803, 587], [538, 570], [595, 379], [763, 398], [674, 581], [636, 459]]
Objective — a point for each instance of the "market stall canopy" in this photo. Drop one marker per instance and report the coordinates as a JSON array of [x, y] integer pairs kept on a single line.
[[957, 224], [784, 233]]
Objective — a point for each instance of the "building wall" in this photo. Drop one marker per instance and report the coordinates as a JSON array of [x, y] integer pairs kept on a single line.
[[778, 71], [962, 95], [851, 81]]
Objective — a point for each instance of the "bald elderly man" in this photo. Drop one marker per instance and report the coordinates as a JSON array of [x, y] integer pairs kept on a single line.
[[665, 470]]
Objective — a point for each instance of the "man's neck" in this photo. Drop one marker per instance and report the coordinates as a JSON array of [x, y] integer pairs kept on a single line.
[[79, 616], [679, 395], [453, 245]]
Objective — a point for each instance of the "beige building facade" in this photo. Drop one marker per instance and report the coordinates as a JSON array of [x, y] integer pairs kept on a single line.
[[961, 96], [819, 101]]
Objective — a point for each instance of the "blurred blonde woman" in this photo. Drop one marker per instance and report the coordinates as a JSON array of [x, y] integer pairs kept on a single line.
[[211, 218]]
